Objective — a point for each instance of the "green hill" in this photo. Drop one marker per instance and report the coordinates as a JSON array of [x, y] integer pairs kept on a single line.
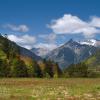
[[94, 61]]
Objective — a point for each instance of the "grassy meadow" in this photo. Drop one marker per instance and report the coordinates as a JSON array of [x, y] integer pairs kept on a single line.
[[49, 89]]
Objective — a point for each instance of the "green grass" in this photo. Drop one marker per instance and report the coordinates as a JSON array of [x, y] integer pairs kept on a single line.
[[49, 89]]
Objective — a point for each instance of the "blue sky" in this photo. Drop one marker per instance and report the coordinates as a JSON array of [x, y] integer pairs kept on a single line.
[[49, 23]]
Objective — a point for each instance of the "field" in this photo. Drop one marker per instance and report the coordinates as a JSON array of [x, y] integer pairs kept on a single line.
[[49, 89]]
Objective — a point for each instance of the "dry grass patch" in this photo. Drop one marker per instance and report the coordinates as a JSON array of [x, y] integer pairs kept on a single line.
[[49, 89]]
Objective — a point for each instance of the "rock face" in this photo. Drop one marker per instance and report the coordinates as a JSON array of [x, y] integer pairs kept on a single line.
[[71, 52]]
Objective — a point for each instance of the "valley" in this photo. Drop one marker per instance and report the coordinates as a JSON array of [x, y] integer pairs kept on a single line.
[[49, 49]]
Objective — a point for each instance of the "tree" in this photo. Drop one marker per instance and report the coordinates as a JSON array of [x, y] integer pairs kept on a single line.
[[18, 68], [48, 70], [5, 46], [4, 68], [56, 70], [34, 69]]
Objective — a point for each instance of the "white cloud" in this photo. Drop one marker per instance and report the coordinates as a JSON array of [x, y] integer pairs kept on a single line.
[[20, 28], [50, 38], [29, 42], [95, 21], [49, 41], [48, 46], [26, 41], [69, 24]]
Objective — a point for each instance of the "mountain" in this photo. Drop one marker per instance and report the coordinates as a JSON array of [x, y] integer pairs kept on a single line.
[[42, 52], [71, 52], [88, 68], [18, 49], [92, 42]]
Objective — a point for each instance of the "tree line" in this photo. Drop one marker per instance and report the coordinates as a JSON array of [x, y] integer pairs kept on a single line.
[[81, 70]]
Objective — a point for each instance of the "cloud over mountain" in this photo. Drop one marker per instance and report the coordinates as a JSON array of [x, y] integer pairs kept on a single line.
[[26, 40], [48, 46]]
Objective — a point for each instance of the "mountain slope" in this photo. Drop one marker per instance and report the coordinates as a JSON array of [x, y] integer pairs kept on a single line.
[[88, 68], [94, 61], [17, 49], [28, 53], [71, 52]]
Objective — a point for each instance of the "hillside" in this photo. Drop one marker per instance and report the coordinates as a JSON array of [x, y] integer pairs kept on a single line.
[[89, 68], [14, 48], [94, 61], [16, 61]]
